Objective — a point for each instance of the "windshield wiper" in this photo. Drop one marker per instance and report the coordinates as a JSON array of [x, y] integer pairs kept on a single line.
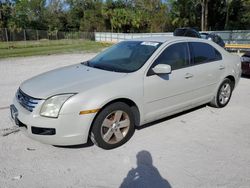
[[102, 67], [107, 68], [85, 63]]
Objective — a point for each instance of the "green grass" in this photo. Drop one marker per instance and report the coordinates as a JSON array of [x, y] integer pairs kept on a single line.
[[48, 47]]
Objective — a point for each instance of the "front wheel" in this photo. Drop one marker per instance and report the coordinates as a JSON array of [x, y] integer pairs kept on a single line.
[[223, 95], [113, 126]]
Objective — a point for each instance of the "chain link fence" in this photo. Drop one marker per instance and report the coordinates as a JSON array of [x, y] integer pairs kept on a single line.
[[235, 37], [7, 35]]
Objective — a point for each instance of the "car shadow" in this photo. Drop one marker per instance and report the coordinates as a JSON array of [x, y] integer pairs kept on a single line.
[[169, 117], [79, 146], [145, 175]]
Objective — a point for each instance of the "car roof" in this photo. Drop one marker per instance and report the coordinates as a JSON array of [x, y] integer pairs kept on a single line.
[[163, 39]]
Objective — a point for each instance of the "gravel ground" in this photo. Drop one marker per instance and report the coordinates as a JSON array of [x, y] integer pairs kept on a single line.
[[205, 147]]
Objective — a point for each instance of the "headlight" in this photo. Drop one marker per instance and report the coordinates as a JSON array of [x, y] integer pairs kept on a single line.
[[52, 106]]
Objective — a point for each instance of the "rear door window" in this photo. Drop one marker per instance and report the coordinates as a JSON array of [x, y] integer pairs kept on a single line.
[[203, 53]]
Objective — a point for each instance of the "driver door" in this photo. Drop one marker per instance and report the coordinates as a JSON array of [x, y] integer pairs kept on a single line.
[[166, 93]]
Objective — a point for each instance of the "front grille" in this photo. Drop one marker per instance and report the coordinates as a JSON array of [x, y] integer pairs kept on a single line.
[[26, 101]]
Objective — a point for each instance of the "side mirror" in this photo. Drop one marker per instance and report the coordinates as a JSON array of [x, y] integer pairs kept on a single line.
[[162, 69]]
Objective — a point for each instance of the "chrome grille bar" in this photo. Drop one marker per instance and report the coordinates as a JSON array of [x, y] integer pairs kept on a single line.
[[26, 101]]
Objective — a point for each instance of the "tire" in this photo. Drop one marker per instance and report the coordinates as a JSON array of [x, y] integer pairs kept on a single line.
[[113, 126], [223, 94]]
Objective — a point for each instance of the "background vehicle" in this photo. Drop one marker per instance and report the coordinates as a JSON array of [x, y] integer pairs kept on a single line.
[[214, 37], [186, 32], [245, 63], [107, 96]]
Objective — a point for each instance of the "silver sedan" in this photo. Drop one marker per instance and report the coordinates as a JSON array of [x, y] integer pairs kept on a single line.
[[131, 83]]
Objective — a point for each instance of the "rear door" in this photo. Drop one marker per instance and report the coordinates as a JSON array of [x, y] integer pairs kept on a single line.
[[209, 69]]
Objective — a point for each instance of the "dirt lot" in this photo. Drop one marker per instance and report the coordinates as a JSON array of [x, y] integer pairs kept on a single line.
[[205, 147]]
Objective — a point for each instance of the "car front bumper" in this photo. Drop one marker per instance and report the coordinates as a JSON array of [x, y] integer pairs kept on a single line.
[[67, 129]]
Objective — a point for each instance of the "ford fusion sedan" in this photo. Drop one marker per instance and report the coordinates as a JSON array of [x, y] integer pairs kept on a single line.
[[131, 83]]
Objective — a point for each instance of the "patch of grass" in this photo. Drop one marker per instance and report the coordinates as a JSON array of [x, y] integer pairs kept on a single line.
[[48, 47]]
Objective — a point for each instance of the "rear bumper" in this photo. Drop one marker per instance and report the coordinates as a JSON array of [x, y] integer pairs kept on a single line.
[[67, 129]]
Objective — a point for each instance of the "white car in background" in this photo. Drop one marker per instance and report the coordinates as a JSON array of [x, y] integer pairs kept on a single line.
[[131, 83]]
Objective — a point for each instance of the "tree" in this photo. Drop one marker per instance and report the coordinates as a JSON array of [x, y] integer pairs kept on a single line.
[[56, 16], [124, 15], [28, 14], [184, 13], [92, 19], [246, 14], [5, 13], [216, 19], [235, 15]]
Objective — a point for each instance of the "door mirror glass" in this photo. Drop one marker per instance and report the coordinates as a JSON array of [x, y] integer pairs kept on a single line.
[[162, 69]]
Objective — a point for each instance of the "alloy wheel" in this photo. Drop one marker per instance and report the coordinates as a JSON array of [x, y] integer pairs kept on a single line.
[[115, 127]]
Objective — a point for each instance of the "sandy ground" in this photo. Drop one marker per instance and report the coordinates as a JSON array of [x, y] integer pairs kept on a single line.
[[205, 147]]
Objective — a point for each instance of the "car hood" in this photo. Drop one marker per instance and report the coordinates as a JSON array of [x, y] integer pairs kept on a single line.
[[70, 79]]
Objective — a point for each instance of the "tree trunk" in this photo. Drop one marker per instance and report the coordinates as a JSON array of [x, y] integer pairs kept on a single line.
[[206, 15], [202, 14], [227, 15]]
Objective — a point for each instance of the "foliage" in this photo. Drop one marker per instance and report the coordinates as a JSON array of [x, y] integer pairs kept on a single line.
[[124, 15], [184, 13]]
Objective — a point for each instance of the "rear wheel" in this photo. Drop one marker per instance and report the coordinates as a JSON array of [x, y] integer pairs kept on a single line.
[[223, 95], [113, 126]]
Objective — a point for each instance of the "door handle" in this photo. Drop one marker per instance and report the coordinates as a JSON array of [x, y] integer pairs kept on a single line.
[[188, 75], [221, 67]]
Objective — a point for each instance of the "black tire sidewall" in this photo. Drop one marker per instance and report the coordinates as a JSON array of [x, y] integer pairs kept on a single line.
[[218, 93], [97, 123]]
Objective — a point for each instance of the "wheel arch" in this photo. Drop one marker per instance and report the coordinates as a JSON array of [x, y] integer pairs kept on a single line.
[[232, 79], [133, 106]]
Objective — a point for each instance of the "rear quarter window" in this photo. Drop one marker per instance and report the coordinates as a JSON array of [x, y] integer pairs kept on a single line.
[[203, 53]]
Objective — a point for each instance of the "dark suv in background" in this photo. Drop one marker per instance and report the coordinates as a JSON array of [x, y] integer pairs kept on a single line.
[[193, 32], [214, 37], [187, 32]]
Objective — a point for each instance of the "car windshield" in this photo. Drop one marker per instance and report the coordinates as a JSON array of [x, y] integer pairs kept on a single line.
[[127, 56]]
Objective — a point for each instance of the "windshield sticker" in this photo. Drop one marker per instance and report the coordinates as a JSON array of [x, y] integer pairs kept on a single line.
[[150, 43]]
